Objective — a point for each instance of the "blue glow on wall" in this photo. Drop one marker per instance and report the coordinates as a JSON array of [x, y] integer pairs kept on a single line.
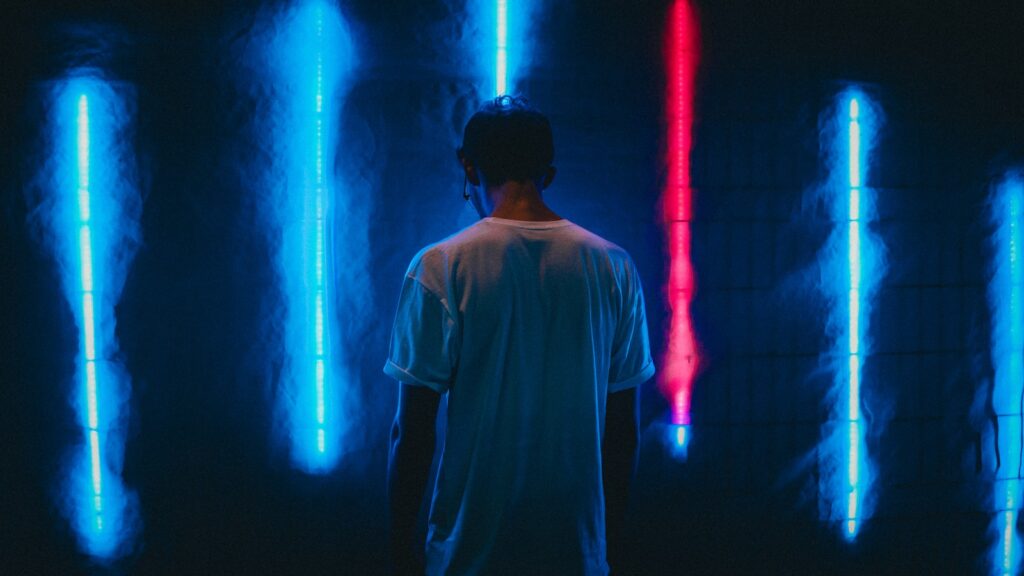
[[1005, 293], [310, 57], [90, 208], [852, 268]]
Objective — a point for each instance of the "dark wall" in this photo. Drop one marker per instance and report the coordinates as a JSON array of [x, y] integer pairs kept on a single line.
[[216, 492]]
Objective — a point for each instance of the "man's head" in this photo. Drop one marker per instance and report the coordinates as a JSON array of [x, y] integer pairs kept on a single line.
[[507, 140]]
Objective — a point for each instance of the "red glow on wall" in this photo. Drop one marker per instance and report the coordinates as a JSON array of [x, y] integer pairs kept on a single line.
[[679, 365]]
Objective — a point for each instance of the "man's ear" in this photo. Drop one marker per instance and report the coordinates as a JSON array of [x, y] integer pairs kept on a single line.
[[549, 177], [471, 174]]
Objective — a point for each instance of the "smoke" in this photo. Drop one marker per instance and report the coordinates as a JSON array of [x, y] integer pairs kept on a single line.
[[1006, 217], [84, 210], [850, 268]]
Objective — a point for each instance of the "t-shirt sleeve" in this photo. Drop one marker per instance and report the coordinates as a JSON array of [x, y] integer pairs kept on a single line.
[[631, 363], [423, 340]]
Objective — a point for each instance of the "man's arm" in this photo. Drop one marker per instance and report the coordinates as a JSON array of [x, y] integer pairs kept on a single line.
[[618, 455], [412, 450]]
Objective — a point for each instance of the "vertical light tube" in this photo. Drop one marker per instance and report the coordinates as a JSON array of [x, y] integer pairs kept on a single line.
[[309, 52], [88, 312], [852, 267], [500, 40], [681, 357], [856, 432], [92, 214], [1005, 299], [501, 48], [320, 255]]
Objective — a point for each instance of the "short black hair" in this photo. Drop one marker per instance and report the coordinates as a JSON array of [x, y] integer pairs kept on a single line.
[[506, 140]]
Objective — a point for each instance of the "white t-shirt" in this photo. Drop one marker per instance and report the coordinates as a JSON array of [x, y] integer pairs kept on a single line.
[[527, 326]]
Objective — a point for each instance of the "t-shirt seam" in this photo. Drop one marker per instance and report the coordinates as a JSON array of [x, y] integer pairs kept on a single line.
[[648, 365], [415, 378], [430, 291]]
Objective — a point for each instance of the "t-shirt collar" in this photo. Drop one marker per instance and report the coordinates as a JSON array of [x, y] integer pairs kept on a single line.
[[531, 224]]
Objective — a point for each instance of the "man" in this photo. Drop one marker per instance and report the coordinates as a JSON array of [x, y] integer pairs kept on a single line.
[[535, 329]]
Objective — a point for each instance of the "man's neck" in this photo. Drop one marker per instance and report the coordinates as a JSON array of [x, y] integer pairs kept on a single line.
[[520, 201]]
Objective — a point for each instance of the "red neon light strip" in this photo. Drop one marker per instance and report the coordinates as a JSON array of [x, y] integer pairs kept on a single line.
[[681, 357]]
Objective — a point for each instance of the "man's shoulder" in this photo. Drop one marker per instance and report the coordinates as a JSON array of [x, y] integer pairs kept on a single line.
[[434, 260], [615, 254], [484, 236], [440, 251], [595, 241]]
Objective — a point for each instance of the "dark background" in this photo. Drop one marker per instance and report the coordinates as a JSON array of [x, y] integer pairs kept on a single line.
[[216, 494]]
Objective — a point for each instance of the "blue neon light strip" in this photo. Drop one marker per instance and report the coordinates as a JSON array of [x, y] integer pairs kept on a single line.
[[501, 49], [856, 432], [502, 43], [320, 193], [1005, 295], [852, 267], [310, 52], [88, 309], [94, 227]]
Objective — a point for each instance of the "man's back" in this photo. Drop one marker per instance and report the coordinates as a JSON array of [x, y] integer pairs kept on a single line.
[[528, 326]]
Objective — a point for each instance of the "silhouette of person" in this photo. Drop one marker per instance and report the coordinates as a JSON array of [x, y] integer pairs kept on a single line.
[[535, 330]]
